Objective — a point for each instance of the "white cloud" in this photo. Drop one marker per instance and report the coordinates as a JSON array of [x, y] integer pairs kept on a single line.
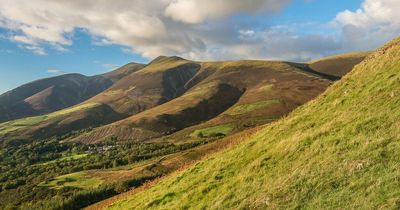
[[55, 71], [376, 22], [149, 27], [110, 66], [196, 29], [197, 11], [35, 49]]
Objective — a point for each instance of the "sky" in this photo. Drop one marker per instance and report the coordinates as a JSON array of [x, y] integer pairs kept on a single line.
[[45, 38]]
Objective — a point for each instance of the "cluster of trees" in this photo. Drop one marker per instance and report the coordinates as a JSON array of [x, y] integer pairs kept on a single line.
[[25, 164], [82, 198]]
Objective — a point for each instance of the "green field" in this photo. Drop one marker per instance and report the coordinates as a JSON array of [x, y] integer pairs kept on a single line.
[[340, 151], [68, 157], [79, 180], [246, 108], [266, 88], [32, 121], [201, 90], [213, 131]]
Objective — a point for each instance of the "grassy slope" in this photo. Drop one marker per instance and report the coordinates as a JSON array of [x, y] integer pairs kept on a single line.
[[58, 123], [32, 121], [79, 180], [339, 151], [338, 65]]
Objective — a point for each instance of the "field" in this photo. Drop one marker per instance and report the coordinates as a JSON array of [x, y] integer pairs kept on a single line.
[[245, 108], [68, 157], [79, 180], [212, 131], [13, 126]]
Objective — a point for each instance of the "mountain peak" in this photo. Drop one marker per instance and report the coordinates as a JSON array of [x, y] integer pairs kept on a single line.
[[167, 59]]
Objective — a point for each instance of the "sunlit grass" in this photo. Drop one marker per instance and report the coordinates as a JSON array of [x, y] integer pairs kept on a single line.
[[245, 108], [79, 180], [213, 131], [68, 157], [32, 121]]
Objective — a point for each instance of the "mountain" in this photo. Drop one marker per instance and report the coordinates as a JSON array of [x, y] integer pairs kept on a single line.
[[162, 97], [151, 85], [56, 93], [338, 151], [233, 94]]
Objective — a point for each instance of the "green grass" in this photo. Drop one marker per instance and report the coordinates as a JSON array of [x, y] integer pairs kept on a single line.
[[32, 121], [212, 131], [246, 108], [340, 151], [201, 90], [164, 63], [78, 180], [114, 92], [266, 88], [66, 158]]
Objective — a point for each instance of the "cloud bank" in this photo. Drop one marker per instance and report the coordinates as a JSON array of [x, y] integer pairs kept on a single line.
[[195, 29], [376, 22]]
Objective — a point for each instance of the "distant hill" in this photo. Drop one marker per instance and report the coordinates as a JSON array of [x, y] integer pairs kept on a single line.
[[56, 93], [170, 94], [338, 65], [340, 151]]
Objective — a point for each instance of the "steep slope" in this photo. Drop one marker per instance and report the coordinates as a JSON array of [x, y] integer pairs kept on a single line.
[[158, 82], [340, 151], [338, 65], [122, 71], [56, 93], [254, 90]]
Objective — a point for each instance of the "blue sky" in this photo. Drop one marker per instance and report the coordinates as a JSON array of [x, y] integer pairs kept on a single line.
[[19, 66], [89, 47]]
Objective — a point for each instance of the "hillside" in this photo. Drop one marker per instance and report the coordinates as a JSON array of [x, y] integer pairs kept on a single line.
[[56, 93], [236, 95], [329, 65], [339, 151]]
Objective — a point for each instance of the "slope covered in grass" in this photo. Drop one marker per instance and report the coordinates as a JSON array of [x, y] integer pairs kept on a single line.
[[67, 120], [338, 65], [339, 151]]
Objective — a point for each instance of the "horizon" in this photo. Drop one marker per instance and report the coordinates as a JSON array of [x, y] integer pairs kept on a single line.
[[62, 38]]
